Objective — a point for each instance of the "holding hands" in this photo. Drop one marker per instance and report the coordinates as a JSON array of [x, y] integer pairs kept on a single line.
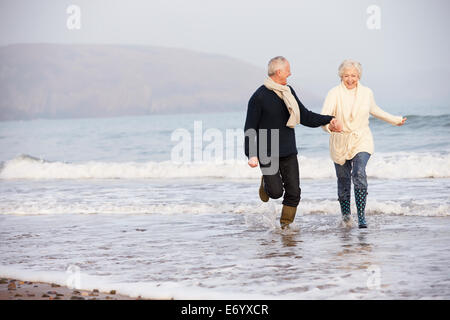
[[335, 125]]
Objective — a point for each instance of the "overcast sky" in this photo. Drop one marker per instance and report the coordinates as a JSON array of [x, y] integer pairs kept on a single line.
[[411, 44]]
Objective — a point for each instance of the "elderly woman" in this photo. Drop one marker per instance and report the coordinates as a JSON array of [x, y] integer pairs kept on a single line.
[[350, 149]]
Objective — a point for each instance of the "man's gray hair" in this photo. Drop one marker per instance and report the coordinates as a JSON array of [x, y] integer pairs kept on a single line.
[[350, 64], [275, 64]]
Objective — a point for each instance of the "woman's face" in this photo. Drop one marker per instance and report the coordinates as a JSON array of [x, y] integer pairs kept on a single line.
[[350, 77]]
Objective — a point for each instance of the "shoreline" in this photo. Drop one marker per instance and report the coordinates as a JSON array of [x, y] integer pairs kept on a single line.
[[14, 289], [397, 257]]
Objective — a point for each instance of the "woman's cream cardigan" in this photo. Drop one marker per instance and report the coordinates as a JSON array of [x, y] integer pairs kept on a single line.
[[352, 108]]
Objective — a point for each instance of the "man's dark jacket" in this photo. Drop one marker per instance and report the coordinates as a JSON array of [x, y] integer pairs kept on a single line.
[[267, 111]]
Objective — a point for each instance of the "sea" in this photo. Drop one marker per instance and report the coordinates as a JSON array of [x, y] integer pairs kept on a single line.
[[166, 207]]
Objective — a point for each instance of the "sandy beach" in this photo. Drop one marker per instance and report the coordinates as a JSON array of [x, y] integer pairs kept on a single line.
[[12, 289]]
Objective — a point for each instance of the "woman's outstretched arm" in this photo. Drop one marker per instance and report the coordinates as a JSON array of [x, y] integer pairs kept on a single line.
[[379, 113]]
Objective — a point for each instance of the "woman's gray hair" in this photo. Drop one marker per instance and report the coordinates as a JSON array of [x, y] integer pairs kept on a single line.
[[350, 64], [275, 64]]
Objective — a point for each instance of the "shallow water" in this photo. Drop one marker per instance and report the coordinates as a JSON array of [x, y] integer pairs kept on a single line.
[[234, 256], [99, 203], [421, 197]]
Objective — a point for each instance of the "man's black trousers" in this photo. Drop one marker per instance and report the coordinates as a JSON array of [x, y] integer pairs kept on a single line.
[[286, 180]]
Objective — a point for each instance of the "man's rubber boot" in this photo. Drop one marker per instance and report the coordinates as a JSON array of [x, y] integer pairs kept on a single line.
[[360, 199], [345, 210], [287, 216], [262, 193]]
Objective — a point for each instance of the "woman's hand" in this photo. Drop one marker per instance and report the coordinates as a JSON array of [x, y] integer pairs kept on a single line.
[[335, 125], [402, 123], [253, 162]]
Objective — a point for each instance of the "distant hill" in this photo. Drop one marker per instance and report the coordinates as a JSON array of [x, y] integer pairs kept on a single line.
[[63, 81], [52, 81]]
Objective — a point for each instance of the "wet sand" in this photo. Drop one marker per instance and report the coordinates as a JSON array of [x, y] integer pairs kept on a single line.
[[12, 289]]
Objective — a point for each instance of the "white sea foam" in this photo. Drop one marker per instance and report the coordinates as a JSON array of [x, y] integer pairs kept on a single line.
[[312, 207], [390, 166], [148, 290]]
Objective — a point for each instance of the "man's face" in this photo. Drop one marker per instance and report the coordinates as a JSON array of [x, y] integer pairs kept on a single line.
[[284, 73]]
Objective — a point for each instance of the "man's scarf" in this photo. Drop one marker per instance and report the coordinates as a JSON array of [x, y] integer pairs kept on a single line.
[[284, 93]]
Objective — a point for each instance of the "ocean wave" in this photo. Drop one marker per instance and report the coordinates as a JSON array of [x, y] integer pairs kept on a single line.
[[387, 166], [165, 290], [433, 121], [311, 207]]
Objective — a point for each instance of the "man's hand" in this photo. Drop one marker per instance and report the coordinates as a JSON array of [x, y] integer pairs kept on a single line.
[[253, 162], [335, 125]]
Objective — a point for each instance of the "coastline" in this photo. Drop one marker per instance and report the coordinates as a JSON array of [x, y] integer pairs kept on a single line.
[[322, 258], [14, 289]]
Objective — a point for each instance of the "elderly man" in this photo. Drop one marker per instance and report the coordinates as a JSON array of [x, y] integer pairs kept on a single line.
[[274, 109]]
